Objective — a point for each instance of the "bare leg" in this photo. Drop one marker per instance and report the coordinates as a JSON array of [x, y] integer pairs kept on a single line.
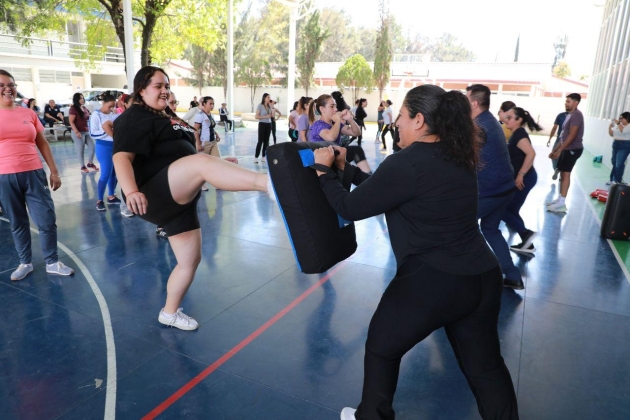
[[187, 249], [364, 166], [565, 182], [187, 175]]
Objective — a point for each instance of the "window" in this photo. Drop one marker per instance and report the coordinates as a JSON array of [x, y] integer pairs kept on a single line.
[[54, 76], [21, 74]]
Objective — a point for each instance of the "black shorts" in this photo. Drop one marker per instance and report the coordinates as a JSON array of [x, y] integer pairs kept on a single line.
[[567, 159], [164, 211]]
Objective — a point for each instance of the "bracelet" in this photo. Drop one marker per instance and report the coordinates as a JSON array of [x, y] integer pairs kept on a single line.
[[523, 173], [133, 192], [56, 176]]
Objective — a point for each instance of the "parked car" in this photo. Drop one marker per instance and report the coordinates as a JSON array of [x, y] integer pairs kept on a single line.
[[92, 98]]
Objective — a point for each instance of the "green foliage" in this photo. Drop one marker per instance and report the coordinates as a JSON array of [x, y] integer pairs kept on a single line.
[[198, 57], [253, 67], [447, 48], [355, 74], [343, 40], [383, 57], [311, 38], [562, 69]]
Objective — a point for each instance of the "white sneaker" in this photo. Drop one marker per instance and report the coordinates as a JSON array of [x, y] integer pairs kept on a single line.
[[557, 208], [204, 187], [348, 413], [255, 160], [124, 210], [178, 320], [551, 203], [264, 159], [22, 271], [608, 182], [59, 269]]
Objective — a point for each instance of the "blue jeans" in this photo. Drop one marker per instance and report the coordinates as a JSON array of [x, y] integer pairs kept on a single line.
[[105, 155], [30, 190], [511, 217], [620, 152], [490, 212]]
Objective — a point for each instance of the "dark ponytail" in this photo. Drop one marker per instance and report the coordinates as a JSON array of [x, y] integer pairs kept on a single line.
[[316, 104], [526, 118], [448, 116]]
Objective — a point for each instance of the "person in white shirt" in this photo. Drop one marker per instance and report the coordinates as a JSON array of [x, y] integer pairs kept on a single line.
[[102, 131], [620, 131], [388, 119], [223, 114], [189, 117], [206, 136]]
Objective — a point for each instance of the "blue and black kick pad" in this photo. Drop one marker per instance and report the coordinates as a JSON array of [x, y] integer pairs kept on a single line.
[[320, 238]]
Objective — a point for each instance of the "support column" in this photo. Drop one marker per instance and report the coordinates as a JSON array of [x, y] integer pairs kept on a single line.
[[230, 59], [291, 72], [129, 52]]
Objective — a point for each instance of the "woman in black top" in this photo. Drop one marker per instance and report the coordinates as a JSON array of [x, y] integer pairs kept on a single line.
[[447, 275], [522, 156], [359, 116], [161, 175]]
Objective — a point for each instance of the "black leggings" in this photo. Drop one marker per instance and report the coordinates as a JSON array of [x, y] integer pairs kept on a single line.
[[418, 301], [264, 129], [386, 129], [355, 153], [273, 129]]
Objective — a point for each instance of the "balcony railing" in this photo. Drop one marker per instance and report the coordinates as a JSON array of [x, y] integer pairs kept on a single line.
[[60, 49]]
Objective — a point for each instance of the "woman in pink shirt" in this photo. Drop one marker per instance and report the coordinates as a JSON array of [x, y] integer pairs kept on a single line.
[[23, 183]]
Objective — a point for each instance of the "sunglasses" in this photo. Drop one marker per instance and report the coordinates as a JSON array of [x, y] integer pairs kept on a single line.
[[173, 103]]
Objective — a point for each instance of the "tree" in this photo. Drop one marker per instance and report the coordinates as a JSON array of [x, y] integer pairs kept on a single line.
[[355, 74], [343, 40], [561, 48], [366, 42], [199, 58], [311, 38], [253, 67], [383, 56], [161, 24], [562, 69], [447, 48]]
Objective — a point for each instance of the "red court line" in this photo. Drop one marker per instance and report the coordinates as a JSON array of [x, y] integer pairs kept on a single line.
[[240, 346]]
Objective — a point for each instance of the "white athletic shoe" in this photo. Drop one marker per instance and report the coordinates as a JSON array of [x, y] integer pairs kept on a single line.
[[255, 160], [22, 271], [557, 208], [551, 203], [124, 210], [59, 269], [178, 320], [348, 413]]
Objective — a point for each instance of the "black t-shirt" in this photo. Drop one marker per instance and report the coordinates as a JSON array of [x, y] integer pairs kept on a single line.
[[157, 141], [52, 111], [430, 205], [517, 156], [193, 104]]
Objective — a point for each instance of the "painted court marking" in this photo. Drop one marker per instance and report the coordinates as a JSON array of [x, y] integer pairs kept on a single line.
[[110, 392], [240, 346]]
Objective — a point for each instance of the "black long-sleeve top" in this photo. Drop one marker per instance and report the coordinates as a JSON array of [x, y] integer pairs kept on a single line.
[[430, 205]]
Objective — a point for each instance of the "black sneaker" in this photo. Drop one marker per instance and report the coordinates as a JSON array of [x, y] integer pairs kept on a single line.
[[114, 200], [513, 284], [526, 245], [160, 232], [520, 248], [100, 206]]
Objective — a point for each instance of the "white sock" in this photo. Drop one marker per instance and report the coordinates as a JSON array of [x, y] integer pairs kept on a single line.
[[561, 200], [167, 314]]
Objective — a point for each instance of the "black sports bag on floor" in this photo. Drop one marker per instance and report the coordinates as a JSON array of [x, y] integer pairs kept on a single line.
[[616, 222], [319, 236]]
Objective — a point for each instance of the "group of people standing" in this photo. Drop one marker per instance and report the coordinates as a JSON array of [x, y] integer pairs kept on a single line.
[[455, 167]]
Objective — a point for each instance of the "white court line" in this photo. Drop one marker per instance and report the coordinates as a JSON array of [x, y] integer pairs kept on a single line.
[[110, 392], [610, 242]]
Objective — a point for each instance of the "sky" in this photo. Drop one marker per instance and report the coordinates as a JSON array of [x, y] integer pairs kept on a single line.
[[490, 28]]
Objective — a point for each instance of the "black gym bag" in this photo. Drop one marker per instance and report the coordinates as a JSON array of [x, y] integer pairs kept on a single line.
[[319, 236], [616, 222]]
